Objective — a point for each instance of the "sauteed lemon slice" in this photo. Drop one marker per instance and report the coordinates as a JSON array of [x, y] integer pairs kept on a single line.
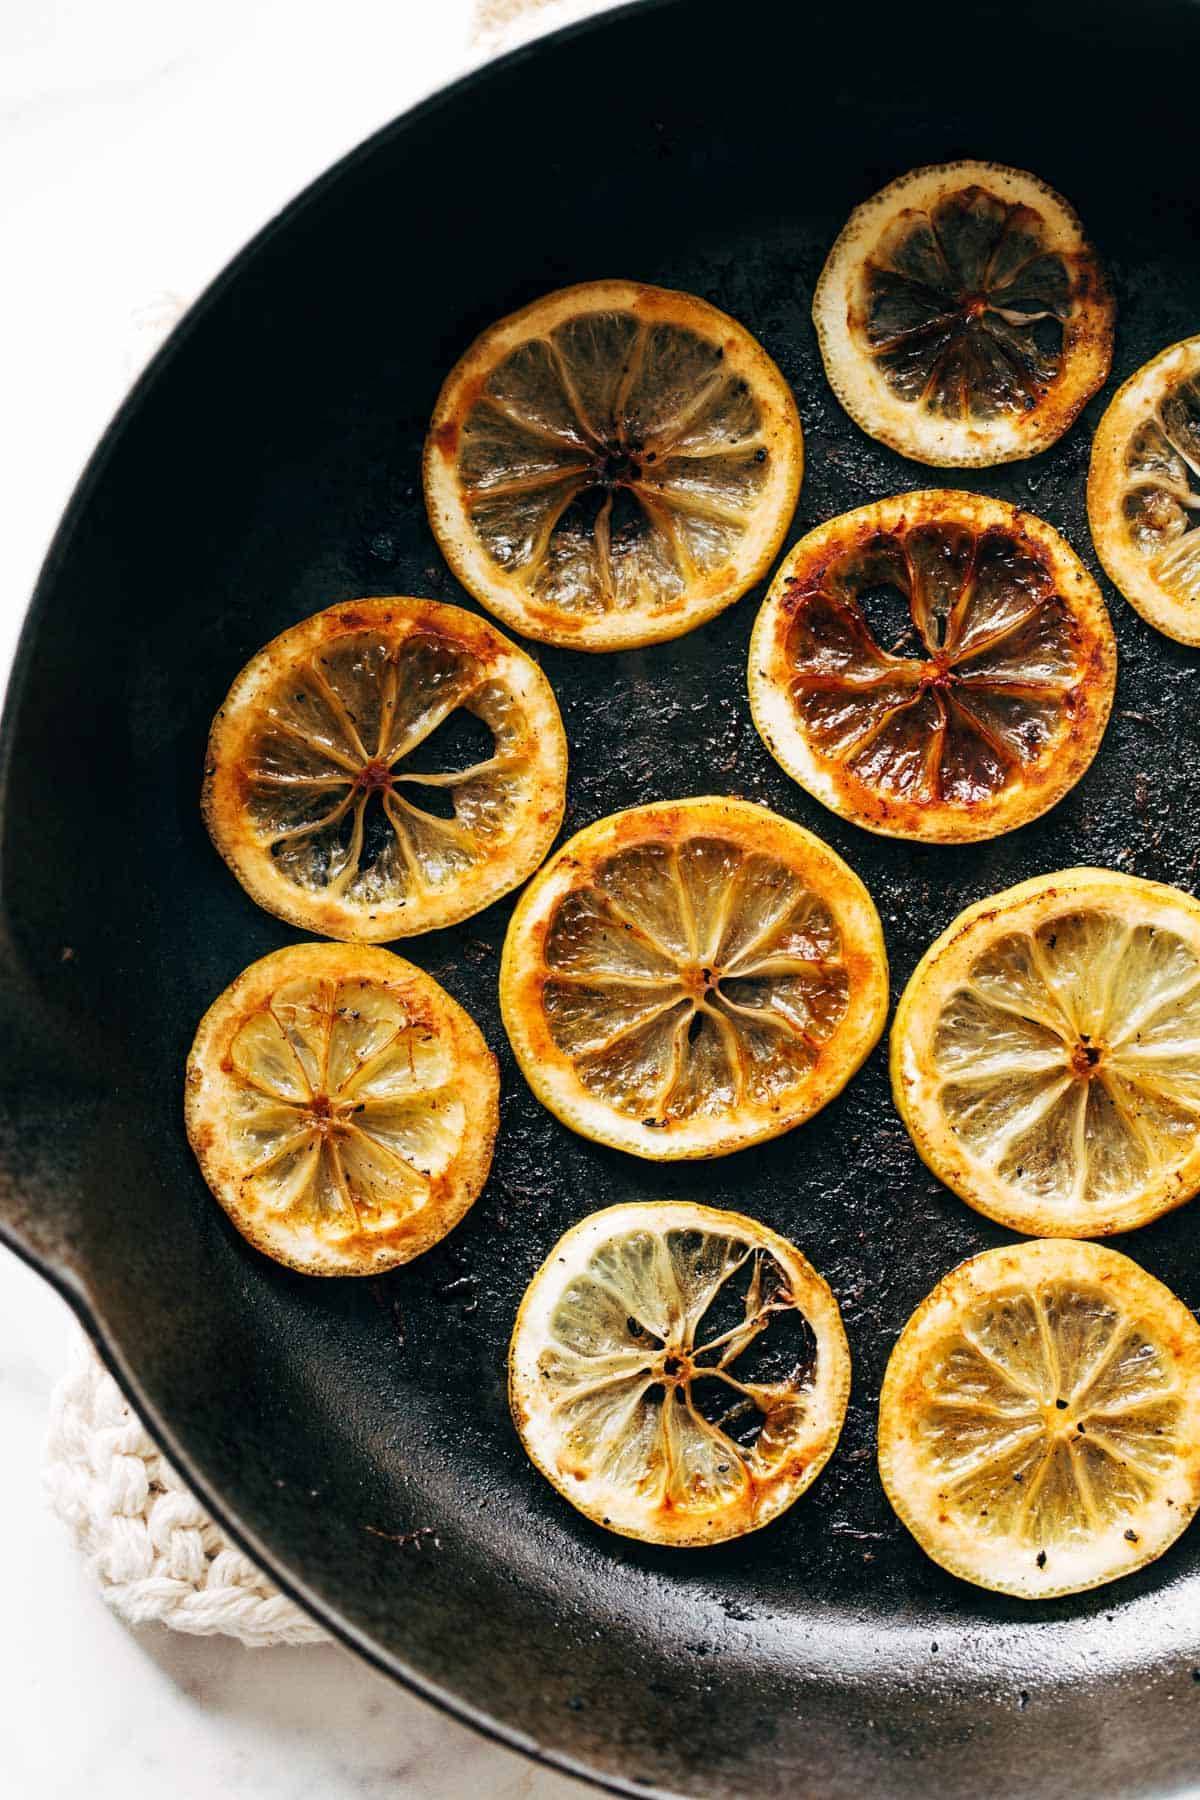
[[612, 465], [1144, 491], [1046, 1053], [387, 767], [1039, 1424], [979, 706], [692, 976], [678, 1373], [963, 316], [342, 1108]]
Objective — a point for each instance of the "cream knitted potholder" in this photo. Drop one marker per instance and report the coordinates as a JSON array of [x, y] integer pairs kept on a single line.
[[154, 1551]]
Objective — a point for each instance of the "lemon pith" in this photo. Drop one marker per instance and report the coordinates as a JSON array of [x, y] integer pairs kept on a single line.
[[985, 711], [1039, 1423], [963, 317], [342, 1108], [679, 1374], [1046, 1053], [691, 976], [612, 465], [332, 795], [1142, 491]]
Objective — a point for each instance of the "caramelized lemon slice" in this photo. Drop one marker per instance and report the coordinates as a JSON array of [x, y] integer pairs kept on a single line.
[[686, 978], [1144, 491], [679, 1374], [387, 767], [963, 317], [986, 707], [342, 1108], [1039, 1425], [612, 466], [1046, 1053]]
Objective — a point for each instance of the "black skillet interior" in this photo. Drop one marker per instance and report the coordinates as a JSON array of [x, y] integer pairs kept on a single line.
[[269, 466]]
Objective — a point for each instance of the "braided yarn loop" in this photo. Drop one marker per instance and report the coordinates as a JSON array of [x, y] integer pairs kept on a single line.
[[148, 1542]]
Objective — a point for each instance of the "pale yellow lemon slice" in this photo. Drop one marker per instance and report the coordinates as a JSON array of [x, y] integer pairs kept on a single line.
[[679, 1374], [1039, 1424]]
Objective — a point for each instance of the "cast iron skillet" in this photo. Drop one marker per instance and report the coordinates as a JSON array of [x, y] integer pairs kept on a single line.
[[268, 466]]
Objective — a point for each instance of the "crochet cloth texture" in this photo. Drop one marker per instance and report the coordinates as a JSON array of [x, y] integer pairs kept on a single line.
[[150, 1545]]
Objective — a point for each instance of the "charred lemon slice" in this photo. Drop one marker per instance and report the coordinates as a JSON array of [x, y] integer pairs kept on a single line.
[[678, 1374], [1039, 1425], [612, 466], [1144, 491], [387, 767], [1046, 1054], [963, 316], [981, 703], [342, 1108], [686, 978]]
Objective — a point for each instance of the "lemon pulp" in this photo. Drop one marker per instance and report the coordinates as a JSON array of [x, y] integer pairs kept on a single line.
[[1163, 460], [683, 980], [612, 461]]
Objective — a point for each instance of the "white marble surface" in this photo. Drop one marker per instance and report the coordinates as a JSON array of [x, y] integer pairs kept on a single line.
[[141, 143]]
